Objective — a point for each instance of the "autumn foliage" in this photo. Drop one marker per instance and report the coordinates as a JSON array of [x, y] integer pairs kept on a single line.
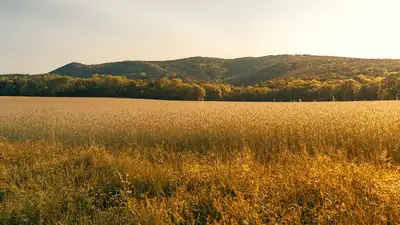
[[357, 88]]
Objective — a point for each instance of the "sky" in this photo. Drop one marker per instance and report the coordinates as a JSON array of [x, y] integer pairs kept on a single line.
[[38, 36]]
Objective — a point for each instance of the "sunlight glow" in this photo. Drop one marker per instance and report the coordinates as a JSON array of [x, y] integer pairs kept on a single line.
[[39, 36]]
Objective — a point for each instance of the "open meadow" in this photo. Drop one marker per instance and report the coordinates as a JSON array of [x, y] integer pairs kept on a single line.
[[125, 161]]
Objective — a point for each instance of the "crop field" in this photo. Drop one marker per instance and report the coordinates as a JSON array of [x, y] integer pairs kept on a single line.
[[125, 161]]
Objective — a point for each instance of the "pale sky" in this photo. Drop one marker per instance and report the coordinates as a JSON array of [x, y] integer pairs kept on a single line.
[[38, 36]]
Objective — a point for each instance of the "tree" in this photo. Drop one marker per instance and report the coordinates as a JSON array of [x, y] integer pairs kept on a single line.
[[347, 90], [213, 92], [390, 87], [326, 92]]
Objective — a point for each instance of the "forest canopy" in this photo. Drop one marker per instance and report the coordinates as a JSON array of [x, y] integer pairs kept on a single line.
[[269, 78], [240, 71], [360, 87]]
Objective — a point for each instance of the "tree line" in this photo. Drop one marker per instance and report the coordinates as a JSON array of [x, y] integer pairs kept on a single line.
[[359, 87]]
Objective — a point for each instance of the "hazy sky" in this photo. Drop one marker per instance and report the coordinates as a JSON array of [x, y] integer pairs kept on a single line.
[[37, 36]]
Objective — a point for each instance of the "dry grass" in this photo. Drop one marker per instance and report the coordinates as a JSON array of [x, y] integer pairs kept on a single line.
[[114, 161]]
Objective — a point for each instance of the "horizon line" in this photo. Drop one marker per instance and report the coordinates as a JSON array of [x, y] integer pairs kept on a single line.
[[209, 57]]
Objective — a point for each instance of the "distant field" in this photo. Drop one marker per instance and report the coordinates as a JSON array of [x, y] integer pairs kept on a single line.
[[119, 161]]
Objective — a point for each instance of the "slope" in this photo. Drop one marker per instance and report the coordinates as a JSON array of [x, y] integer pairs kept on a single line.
[[240, 71]]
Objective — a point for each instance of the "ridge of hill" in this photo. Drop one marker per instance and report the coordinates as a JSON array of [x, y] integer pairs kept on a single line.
[[239, 71]]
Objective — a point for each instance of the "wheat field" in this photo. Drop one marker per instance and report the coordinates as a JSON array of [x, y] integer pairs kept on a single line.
[[124, 161]]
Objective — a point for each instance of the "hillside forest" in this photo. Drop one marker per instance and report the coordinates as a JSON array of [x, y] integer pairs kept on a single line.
[[271, 78]]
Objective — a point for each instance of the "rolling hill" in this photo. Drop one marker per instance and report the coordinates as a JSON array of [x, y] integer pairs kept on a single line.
[[240, 71]]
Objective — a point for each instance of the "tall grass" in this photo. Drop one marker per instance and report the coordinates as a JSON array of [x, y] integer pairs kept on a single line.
[[113, 161]]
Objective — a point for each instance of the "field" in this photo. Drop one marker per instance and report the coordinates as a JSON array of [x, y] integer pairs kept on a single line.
[[123, 161]]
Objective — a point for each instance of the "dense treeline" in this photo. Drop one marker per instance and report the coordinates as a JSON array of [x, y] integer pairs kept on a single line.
[[360, 87]]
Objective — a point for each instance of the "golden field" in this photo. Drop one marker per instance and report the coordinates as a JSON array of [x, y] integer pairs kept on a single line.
[[123, 161]]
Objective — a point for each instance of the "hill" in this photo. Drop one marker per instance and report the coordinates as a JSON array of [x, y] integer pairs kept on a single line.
[[240, 71]]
